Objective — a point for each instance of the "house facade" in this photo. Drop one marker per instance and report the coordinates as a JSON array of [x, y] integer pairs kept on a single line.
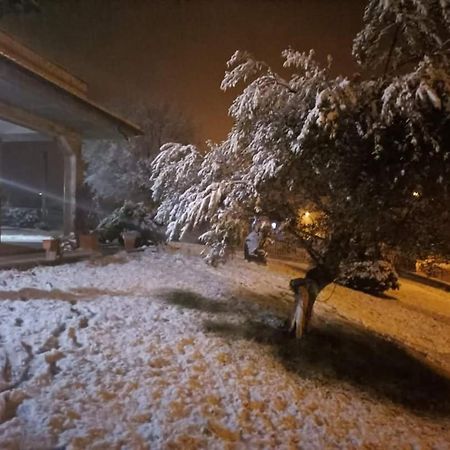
[[46, 116]]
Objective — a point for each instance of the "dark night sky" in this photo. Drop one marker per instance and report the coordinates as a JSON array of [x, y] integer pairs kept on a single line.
[[176, 50]]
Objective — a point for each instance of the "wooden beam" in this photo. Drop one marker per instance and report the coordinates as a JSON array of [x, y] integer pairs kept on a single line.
[[34, 122], [26, 137], [15, 51]]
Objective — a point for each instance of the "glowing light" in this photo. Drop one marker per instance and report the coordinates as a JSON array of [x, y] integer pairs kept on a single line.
[[416, 194], [274, 225], [307, 214], [40, 194]]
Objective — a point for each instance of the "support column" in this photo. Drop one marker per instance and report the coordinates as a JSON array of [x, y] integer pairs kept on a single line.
[[69, 199], [73, 183], [44, 205], [1, 187]]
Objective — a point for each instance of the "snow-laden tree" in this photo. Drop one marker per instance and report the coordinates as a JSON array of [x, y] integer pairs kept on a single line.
[[402, 32], [192, 189], [370, 158], [160, 123], [111, 169], [119, 170]]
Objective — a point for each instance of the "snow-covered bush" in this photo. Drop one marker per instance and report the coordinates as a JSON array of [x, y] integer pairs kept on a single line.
[[20, 217], [131, 217], [373, 277], [69, 243], [431, 266]]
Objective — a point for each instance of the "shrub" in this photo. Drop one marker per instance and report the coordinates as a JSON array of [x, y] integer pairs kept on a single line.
[[20, 217], [431, 266], [373, 277], [130, 217]]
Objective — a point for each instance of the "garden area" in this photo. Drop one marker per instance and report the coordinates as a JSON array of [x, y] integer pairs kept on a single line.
[[284, 285]]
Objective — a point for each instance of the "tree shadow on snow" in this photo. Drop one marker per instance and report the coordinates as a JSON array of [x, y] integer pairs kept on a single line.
[[383, 296], [334, 351], [343, 352], [193, 300]]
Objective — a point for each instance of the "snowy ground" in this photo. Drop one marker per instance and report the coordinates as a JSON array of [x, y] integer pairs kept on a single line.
[[24, 235], [157, 350]]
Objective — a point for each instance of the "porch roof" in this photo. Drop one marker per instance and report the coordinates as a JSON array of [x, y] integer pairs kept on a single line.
[[32, 87]]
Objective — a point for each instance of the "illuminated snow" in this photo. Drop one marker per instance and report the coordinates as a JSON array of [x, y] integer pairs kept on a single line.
[[157, 350], [24, 238]]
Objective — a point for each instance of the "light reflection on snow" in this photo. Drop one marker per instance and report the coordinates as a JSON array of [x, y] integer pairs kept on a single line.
[[27, 238]]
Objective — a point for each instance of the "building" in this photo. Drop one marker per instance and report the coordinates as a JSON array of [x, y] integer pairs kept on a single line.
[[45, 118]]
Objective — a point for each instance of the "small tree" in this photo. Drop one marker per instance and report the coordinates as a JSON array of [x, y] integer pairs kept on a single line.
[[119, 170], [371, 158], [111, 169]]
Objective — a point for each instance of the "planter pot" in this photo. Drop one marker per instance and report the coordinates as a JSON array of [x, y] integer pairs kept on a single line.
[[89, 242], [51, 244], [52, 248], [129, 240]]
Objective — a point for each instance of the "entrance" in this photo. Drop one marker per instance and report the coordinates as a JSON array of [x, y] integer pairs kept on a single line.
[[31, 188]]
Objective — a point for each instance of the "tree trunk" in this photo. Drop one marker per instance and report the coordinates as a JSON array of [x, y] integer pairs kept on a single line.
[[306, 291]]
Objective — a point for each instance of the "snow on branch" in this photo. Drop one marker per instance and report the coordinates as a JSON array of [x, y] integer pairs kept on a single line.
[[396, 32], [243, 66], [349, 152]]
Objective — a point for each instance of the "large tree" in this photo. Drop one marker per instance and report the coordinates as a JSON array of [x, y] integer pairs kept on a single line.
[[370, 157]]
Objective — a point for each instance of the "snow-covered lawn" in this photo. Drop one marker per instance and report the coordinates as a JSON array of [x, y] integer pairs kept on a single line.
[[157, 350]]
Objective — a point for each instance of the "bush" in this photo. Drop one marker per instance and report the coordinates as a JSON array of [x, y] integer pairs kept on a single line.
[[20, 217], [431, 266], [130, 217], [373, 277]]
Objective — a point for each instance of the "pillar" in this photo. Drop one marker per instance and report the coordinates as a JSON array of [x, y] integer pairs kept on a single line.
[[1, 188], [73, 183]]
